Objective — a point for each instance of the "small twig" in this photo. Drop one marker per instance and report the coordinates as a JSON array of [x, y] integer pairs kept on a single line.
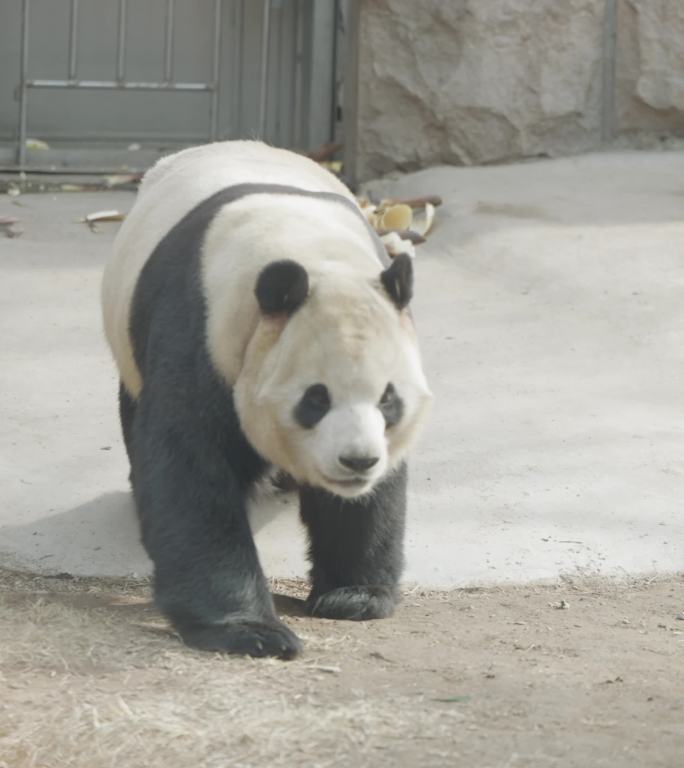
[[404, 234], [324, 668], [11, 226], [416, 202], [324, 152]]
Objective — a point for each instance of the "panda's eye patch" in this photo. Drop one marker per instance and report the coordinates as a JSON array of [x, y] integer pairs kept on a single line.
[[391, 406], [313, 406]]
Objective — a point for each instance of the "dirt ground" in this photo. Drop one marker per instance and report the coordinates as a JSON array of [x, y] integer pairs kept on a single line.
[[583, 673]]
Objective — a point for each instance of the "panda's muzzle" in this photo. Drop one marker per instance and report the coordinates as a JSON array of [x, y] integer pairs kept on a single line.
[[359, 463], [360, 466], [350, 484]]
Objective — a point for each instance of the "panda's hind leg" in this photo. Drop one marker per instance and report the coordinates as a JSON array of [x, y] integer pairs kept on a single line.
[[356, 549], [126, 415]]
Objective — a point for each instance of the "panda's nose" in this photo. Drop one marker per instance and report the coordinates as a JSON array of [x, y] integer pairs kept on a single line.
[[359, 463]]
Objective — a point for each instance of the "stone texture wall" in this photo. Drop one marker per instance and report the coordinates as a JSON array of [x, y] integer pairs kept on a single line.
[[482, 81], [650, 66]]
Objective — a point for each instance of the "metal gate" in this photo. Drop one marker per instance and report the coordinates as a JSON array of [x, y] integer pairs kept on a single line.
[[111, 84]]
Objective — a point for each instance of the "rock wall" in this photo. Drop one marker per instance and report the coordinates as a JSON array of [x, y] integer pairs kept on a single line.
[[483, 81], [650, 66]]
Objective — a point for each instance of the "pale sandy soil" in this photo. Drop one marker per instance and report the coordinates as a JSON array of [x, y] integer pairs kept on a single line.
[[587, 673]]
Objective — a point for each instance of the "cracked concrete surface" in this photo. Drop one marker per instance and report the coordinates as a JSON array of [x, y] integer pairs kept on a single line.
[[549, 304]]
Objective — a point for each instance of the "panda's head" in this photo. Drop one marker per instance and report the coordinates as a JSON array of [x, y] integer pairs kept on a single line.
[[332, 388]]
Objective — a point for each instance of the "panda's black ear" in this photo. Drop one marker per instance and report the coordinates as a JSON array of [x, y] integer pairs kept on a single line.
[[397, 280], [282, 287]]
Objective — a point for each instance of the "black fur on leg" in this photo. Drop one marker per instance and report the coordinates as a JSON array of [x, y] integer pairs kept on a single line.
[[190, 493], [127, 415], [245, 638], [354, 603], [356, 549], [284, 482], [192, 465]]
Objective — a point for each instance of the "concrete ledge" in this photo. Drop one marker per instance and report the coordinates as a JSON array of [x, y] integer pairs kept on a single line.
[[549, 305]]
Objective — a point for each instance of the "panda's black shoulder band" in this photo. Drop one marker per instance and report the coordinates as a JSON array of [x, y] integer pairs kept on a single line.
[[282, 287]]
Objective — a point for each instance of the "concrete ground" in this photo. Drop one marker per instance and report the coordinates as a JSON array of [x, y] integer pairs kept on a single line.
[[549, 303]]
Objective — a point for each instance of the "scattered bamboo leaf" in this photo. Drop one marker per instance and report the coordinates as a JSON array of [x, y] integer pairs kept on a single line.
[[92, 219], [37, 144], [454, 699], [11, 226]]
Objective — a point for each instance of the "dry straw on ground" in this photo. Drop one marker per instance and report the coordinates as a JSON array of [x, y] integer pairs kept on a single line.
[[92, 678]]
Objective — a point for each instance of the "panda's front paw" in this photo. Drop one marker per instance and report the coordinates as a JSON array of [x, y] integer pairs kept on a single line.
[[359, 603], [243, 637]]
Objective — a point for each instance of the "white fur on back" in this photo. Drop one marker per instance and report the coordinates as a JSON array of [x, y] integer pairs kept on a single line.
[[253, 236], [326, 238]]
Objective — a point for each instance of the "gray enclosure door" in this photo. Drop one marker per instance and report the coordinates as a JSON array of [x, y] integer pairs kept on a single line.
[[112, 84]]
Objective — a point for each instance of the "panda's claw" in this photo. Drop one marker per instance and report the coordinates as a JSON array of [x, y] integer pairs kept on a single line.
[[244, 637], [354, 603]]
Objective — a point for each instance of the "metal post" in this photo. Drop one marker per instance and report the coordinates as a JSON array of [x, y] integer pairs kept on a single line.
[[350, 104], [608, 79], [73, 34], [296, 113], [168, 41], [238, 54], [263, 84], [121, 43], [23, 91], [337, 21], [216, 63], [280, 85], [321, 69]]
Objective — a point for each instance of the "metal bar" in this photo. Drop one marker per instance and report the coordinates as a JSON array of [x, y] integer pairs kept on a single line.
[[215, 71], [121, 43], [115, 85], [168, 41], [608, 73], [333, 75], [280, 70], [73, 34], [350, 101], [296, 113], [238, 54], [322, 33], [263, 83], [23, 92], [51, 170]]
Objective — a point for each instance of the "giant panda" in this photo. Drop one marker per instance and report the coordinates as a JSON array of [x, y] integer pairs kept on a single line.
[[257, 326]]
